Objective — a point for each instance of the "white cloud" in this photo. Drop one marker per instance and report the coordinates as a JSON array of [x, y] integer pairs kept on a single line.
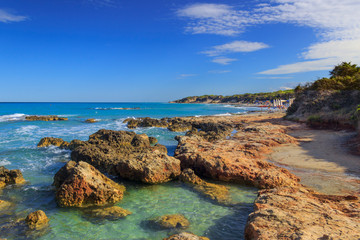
[[219, 71], [205, 10], [223, 60], [7, 17], [235, 46], [335, 22], [181, 76]]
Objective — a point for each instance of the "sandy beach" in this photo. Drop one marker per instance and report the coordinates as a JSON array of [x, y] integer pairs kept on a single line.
[[322, 160]]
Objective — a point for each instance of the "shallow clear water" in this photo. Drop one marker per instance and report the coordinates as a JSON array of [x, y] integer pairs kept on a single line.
[[18, 139]]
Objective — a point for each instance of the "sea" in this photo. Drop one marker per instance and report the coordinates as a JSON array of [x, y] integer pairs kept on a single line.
[[18, 150]]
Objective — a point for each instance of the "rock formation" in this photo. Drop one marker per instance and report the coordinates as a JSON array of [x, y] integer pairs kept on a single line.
[[185, 236], [91, 120], [128, 155], [299, 213], [45, 118], [80, 185], [111, 213], [173, 124], [37, 219], [171, 221], [50, 141], [213, 191], [238, 159], [10, 177]]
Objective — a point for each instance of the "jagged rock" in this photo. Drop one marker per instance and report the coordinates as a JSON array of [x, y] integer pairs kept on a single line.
[[112, 213], [80, 185], [10, 177], [128, 155], [171, 221], [153, 140], [211, 131], [185, 236], [213, 191], [301, 214], [37, 219], [45, 118], [91, 120], [238, 159], [51, 141]]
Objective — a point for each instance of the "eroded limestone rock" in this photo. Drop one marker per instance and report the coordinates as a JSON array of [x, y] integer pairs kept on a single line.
[[128, 155], [80, 185], [8, 177]]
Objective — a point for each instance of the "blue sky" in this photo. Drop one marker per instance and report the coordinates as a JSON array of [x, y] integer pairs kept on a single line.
[[160, 50]]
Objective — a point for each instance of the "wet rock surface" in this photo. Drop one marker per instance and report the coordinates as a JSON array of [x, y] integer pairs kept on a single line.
[[215, 192], [45, 118], [51, 141], [185, 236], [127, 155], [299, 213], [171, 221], [91, 120], [81, 185], [8, 177], [109, 212], [37, 219]]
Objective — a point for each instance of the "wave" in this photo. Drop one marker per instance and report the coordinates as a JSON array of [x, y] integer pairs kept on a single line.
[[12, 117], [26, 129], [4, 162], [115, 108]]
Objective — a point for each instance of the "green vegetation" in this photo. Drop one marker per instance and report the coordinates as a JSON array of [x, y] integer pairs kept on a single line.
[[243, 98], [333, 102], [345, 76]]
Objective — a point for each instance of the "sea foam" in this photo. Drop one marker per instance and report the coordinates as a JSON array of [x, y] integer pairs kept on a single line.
[[12, 117]]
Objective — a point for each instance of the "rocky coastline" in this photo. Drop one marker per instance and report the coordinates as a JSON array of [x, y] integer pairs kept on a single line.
[[228, 148]]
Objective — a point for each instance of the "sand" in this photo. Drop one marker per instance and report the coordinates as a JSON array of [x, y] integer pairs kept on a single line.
[[322, 160]]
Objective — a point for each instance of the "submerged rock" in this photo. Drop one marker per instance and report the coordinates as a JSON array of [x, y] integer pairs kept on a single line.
[[91, 120], [45, 118], [112, 213], [5, 205], [80, 185], [299, 213], [171, 221], [185, 236], [37, 219], [213, 191], [8, 177], [51, 141], [128, 155], [239, 158]]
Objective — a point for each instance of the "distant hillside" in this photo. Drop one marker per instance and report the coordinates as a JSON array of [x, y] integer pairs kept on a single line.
[[329, 102], [239, 98]]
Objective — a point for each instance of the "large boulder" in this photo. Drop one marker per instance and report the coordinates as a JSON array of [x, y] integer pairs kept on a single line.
[[37, 219], [51, 141], [10, 177], [301, 214], [45, 118], [81, 185], [239, 158], [127, 155]]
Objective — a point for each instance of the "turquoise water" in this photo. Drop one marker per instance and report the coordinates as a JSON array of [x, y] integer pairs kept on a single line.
[[18, 139]]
